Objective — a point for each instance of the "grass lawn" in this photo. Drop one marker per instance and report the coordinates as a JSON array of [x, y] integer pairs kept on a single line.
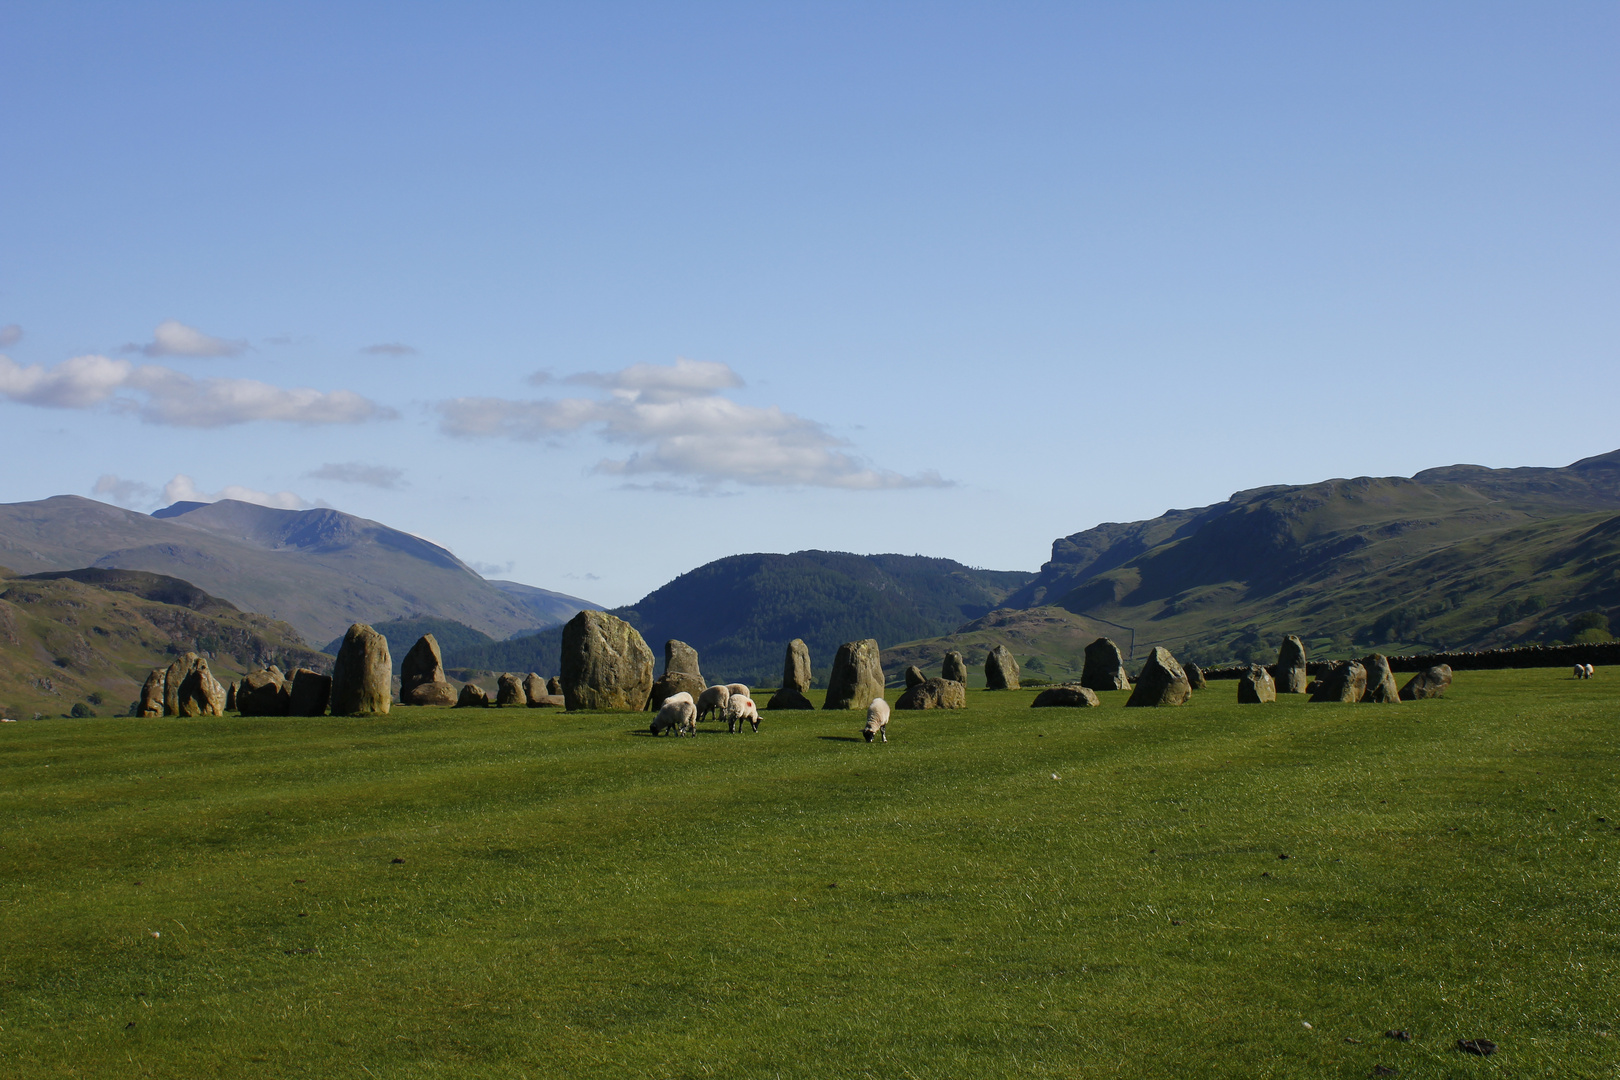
[[996, 892]]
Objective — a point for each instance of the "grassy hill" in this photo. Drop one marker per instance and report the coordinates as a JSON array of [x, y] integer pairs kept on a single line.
[[319, 570], [91, 642], [996, 892], [740, 612]]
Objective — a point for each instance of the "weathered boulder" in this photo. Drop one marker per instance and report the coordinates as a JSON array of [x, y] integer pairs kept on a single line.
[[934, 694], [472, 696], [1162, 681], [152, 694], [433, 694], [1292, 678], [788, 698], [671, 683], [1380, 680], [954, 668], [857, 676], [1345, 681], [509, 690], [1000, 669], [309, 692], [796, 669], [1256, 687], [1104, 668], [554, 686], [914, 676], [362, 674], [173, 676], [1195, 677], [534, 688], [423, 664], [200, 693], [262, 693], [605, 664], [1425, 684], [230, 698], [548, 701], [679, 656], [1067, 696]]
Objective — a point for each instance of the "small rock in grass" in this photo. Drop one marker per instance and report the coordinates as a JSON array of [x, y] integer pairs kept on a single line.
[[1399, 1035], [399, 860], [1385, 1070], [1482, 1047]]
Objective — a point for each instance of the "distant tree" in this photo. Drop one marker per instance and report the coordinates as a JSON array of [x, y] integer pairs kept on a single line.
[[80, 711]]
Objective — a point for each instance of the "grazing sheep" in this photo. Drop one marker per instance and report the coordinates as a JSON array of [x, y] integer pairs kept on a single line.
[[738, 688], [677, 714], [1580, 671], [877, 720], [738, 709], [1590, 671], [712, 702]]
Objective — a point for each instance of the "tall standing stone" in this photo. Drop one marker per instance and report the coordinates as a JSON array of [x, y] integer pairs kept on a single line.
[[554, 686], [605, 664], [173, 676], [200, 693], [1426, 684], [914, 676], [796, 667], [1345, 681], [152, 694], [423, 664], [1162, 681], [1292, 678], [954, 668], [857, 676], [534, 691], [230, 698], [679, 656], [1000, 669], [1380, 680], [681, 675], [308, 693], [362, 676], [1256, 687], [1104, 667], [1195, 677]]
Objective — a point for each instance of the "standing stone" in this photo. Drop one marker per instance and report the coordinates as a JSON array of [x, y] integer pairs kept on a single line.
[[1345, 681], [1380, 680], [1104, 668], [1195, 677], [230, 698], [1066, 697], [1292, 678], [509, 690], [534, 689], [1162, 681], [1256, 687], [423, 664], [671, 683], [954, 668], [262, 693], [1426, 684], [789, 698], [200, 693], [472, 696], [308, 693], [362, 675], [857, 676], [554, 686], [934, 694], [914, 677], [605, 664], [173, 676], [679, 656], [1000, 669], [152, 694], [796, 668]]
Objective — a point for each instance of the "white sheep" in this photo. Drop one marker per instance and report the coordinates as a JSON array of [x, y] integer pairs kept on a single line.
[[677, 714], [738, 688], [1590, 671], [877, 720], [712, 702], [1580, 671], [740, 708]]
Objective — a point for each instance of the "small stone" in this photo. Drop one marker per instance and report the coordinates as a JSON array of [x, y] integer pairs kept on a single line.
[[1482, 1047], [1399, 1035]]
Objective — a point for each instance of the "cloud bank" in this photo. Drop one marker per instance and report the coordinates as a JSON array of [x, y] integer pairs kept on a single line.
[[174, 338], [161, 395], [389, 348], [679, 425], [353, 472], [182, 488]]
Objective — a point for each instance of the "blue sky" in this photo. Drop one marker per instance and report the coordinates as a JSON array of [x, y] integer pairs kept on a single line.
[[593, 294]]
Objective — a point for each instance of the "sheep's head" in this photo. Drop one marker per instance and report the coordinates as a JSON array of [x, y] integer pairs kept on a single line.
[[868, 733]]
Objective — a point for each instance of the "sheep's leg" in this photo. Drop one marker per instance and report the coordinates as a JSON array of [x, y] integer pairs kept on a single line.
[[885, 733]]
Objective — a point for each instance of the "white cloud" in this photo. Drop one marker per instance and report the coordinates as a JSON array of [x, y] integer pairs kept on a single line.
[[489, 569], [184, 489], [125, 492], [353, 472], [174, 338], [10, 334], [681, 426], [160, 395], [389, 348]]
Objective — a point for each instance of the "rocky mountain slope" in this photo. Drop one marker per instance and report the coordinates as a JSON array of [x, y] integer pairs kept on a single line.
[[90, 637], [319, 570]]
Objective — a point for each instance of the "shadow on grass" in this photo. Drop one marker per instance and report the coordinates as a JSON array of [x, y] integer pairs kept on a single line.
[[839, 738]]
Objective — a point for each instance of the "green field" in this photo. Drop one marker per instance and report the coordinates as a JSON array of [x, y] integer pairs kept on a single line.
[[996, 892]]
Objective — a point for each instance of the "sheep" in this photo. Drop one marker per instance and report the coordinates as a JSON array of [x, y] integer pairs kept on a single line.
[[712, 702], [877, 720], [1590, 671], [741, 708], [677, 714], [738, 688], [1580, 671]]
